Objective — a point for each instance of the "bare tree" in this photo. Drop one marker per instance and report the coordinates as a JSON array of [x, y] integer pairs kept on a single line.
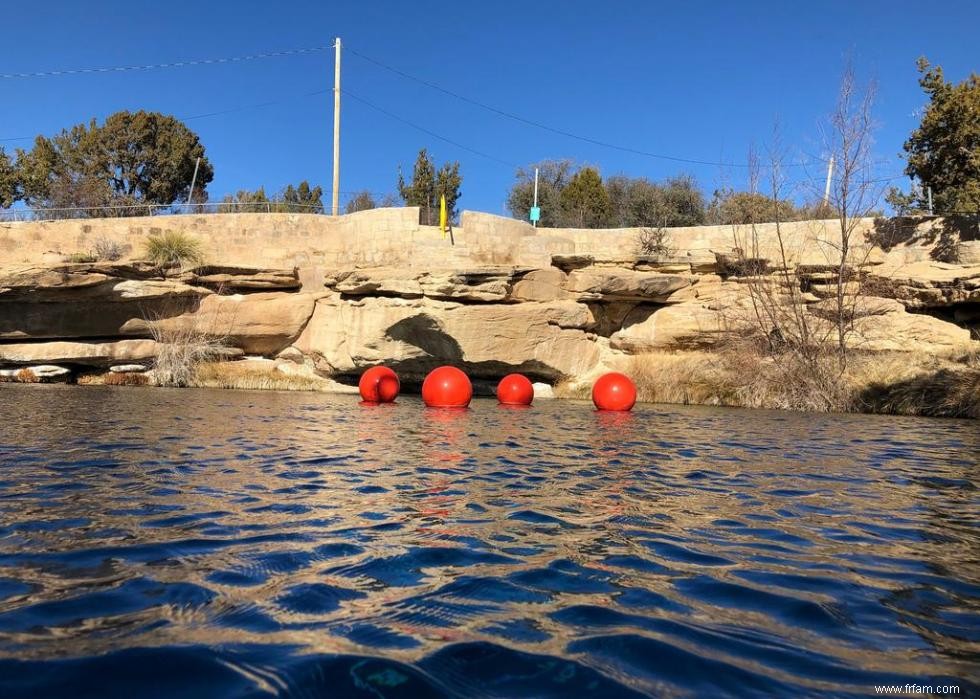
[[854, 194], [807, 340]]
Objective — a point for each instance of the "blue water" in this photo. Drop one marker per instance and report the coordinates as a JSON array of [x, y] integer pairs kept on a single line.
[[158, 543]]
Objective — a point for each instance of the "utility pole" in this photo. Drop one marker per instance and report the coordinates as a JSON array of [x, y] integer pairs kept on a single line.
[[535, 194], [336, 129], [826, 188]]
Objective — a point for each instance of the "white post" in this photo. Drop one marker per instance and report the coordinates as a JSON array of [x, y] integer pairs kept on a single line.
[[190, 195], [336, 129], [830, 174], [535, 222]]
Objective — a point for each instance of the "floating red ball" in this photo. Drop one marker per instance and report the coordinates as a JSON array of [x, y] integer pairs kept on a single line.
[[614, 391], [447, 387], [379, 384], [515, 389]]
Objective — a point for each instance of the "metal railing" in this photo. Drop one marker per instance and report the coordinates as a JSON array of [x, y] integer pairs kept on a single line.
[[129, 210]]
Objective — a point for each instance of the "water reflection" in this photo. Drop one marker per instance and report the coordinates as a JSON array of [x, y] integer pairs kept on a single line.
[[310, 544]]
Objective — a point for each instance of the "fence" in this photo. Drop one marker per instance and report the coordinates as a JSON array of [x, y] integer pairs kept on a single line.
[[125, 210]]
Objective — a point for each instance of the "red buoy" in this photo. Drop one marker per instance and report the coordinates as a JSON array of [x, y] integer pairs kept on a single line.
[[447, 387], [515, 389], [379, 384], [614, 391]]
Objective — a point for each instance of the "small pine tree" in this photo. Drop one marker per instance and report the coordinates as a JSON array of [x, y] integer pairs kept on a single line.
[[585, 202]]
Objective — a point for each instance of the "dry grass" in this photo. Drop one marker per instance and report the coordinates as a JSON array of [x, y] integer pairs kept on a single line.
[[113, 379], [247, 376], [187, 341], [125, 379], [894, 383], [27, 376]]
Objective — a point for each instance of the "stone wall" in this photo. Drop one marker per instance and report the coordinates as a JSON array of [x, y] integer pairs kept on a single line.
[[393, 237]]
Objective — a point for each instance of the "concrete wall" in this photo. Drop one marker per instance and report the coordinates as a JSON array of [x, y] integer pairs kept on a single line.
[[393, 237]]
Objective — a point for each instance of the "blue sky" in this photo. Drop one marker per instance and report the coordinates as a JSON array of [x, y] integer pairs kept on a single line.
[[695, 80]]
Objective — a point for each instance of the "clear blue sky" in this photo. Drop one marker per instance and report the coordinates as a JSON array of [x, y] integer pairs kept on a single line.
[[697, 80]]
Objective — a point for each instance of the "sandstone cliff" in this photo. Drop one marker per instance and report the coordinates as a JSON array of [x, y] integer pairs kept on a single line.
[[554, 304]]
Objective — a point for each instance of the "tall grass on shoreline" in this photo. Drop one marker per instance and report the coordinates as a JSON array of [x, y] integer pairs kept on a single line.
[[897, 383], [242, 375]]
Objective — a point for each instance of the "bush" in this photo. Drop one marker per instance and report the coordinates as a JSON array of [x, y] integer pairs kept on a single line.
[[107, 250], [81, 257], [173, 249], [654, 242], [125, 379]]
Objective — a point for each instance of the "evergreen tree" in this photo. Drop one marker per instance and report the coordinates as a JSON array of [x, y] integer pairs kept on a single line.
[[301, 199], [585, 202], [8, 181], [944, 151], [427, 186], [133, 157]]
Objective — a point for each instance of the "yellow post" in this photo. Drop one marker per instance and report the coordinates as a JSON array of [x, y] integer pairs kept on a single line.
[[443, 215]]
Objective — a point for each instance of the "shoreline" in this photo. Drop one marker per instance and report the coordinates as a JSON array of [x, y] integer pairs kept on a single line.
[[923, 387]]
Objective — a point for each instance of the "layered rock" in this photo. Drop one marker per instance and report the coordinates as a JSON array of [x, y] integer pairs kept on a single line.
[[547, 340], [563, 320]]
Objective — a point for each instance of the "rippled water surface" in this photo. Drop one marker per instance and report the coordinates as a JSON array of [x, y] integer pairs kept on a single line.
[[197, 543]]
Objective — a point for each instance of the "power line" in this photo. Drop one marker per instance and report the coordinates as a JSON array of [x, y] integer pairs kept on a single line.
[[427, 131], [539, 125], [172, 64]]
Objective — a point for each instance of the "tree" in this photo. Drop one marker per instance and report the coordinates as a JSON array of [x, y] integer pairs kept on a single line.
[[300, 199], [362, 201], [8, 181], [428, 186], [553, 176], [584, 201], [638, 202], [245, 201], [944, 151], [134, 157], [729, 207]]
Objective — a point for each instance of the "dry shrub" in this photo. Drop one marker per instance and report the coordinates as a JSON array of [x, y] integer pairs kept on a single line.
[[247, 376], [27, 376], [927, 385], [180, 349], [895, 383], [125, 379], [186, 341], [107, 250], [687, 377]]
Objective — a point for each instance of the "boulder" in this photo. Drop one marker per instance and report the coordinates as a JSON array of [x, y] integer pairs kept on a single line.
[[567, 263], [127, 369], [36, 374], [541, 285], [377, 281], [600, 284], [684, 326], [487, 284], [479, 284], [884, 325], [260, 323]]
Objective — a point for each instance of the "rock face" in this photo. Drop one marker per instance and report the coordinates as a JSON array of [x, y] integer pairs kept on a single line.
[[565, 320], [548, 340], [598, 284], [97, 354]]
